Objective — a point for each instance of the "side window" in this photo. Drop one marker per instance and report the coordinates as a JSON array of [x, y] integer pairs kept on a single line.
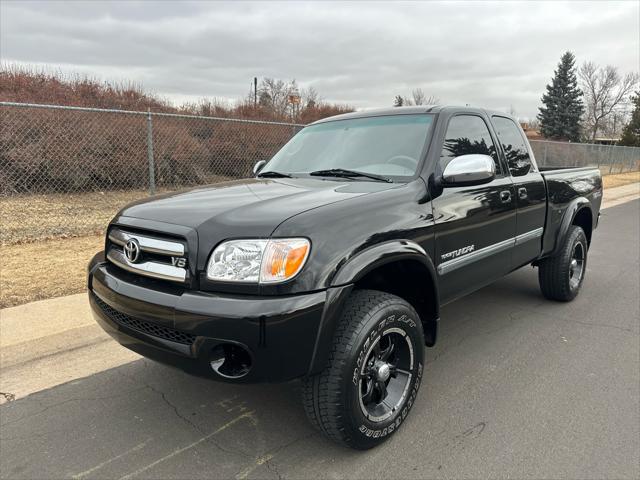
[[514, 146], [467, 134]]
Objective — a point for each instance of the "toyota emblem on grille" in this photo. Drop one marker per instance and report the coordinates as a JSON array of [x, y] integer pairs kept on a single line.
[[132, 250]]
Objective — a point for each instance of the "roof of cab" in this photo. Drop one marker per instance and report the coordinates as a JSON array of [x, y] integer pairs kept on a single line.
[[377, 112]]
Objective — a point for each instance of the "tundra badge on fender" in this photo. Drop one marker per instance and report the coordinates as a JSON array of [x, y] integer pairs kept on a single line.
[[456, 253]]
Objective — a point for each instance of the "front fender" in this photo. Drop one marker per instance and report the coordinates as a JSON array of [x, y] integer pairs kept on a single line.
[[373, 257]]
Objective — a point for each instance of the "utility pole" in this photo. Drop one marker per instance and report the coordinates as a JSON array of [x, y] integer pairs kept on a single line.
[[255, 92]]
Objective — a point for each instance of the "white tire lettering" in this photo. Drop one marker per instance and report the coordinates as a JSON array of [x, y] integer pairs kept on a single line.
[[389, 429]]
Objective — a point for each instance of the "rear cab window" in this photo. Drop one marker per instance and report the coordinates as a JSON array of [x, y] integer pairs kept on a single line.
[[514, 146]]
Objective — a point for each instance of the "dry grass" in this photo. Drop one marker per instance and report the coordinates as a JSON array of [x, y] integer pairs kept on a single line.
[[40, 217], [620, 179], [40, 259], [45, 269]]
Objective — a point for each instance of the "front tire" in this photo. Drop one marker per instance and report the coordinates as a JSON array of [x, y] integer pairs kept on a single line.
[[373, 373], [561, 276]]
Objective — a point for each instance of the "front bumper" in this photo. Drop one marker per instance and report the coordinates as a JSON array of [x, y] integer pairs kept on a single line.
[[182, 329]]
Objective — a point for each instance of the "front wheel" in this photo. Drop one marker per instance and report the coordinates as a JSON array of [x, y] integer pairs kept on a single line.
[[561, 276], [373, 374]]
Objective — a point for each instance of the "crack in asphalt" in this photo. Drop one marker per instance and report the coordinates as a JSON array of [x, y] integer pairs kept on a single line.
[[184, 418], [175, 408], [194, 425]]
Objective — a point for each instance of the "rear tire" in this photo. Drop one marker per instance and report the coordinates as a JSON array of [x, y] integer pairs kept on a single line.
[[373, 373], [561, 276]]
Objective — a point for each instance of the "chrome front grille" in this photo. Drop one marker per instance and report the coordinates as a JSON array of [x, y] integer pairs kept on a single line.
[[148, 256], [147, 244]]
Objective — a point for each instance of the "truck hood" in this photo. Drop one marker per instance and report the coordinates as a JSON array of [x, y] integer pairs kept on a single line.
[[246, 208]]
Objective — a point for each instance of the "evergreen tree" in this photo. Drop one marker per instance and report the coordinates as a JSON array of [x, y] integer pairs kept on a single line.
[[562, 104], [631, 132], [398, 101]]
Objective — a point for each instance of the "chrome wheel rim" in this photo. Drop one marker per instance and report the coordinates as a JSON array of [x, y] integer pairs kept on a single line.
[[576, 267], [385, 375]]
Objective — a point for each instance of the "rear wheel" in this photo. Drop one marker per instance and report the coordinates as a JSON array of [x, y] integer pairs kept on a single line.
[[561, 276], [373, 374]]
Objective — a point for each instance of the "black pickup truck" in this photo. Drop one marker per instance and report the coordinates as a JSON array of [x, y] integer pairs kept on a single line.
[[331, 265]]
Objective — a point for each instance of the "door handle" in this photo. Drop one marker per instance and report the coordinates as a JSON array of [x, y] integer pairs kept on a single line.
[[522, 193], [505, 196]]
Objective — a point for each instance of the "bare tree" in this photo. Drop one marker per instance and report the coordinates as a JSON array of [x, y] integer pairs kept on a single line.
[[420, 98], [274, 94], [605, 90], [533, 123], [417, 97], [309, 97]]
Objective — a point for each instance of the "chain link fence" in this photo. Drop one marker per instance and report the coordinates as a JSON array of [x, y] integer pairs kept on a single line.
[[610, 159], [55, 149], [65, 171]]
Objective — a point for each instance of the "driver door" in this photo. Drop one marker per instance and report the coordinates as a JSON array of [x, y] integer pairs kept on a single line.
[[475, 225]]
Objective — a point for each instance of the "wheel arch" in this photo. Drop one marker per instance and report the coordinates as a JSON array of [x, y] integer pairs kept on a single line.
[[579, 213], [388, 260], [583, 218], [411, 281], [402, 268]]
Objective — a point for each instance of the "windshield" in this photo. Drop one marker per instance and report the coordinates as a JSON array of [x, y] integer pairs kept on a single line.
[[388, 145]]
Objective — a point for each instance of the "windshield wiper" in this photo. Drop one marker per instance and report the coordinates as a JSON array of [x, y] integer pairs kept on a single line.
[[342, 172], [273, 174]]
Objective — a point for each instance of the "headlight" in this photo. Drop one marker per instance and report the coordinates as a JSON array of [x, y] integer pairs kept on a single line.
[[258, 261]]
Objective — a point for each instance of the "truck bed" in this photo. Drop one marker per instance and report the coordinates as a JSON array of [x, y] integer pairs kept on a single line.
[[568, 190]]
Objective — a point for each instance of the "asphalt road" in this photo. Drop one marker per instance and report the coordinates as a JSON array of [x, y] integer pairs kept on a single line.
[[517, 387]]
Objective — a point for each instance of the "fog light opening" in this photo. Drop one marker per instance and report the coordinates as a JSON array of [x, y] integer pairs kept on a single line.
[[230, 361]]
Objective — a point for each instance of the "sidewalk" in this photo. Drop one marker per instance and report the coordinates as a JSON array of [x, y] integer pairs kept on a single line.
[[616, 196], [50, 342]]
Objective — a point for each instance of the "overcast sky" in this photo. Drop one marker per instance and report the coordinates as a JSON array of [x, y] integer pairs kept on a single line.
[[494, 55]]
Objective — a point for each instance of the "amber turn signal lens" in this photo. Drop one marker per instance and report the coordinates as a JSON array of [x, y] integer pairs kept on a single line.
[[283, 259]]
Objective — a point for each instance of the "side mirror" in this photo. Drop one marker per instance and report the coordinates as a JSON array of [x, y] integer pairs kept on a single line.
[[465, 170], [258, 166]]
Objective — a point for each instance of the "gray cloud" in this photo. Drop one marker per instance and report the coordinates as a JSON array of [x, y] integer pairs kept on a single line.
[[489, 54]]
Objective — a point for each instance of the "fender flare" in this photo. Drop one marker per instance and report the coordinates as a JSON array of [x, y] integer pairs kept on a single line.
[[575, 206], [373, 257]]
